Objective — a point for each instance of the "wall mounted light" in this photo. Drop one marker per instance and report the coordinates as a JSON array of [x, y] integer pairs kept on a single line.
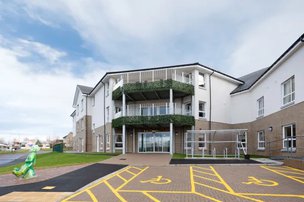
[[270, 129]]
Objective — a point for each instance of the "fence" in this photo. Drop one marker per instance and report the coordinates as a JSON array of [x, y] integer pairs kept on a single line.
[[290, 147]]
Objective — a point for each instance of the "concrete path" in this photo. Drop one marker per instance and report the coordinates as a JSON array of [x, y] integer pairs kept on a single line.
[[140, 159]]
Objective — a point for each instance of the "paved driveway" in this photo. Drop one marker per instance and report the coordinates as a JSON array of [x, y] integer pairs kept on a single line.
[[197, 183]]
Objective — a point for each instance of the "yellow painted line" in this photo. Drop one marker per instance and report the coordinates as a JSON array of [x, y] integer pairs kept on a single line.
[[294, 169], [289, 171], [115, 192], [227, 192], [285, 169], [208, 179], [203, 168], [288, 176], [124, 179], [274, 195], [222, 180], [129, 180], [94, 185], [130, 172], [92, 196], [205, 173], [192, 179], [156, 191], [136, 168], [151, 197], [208, 197]]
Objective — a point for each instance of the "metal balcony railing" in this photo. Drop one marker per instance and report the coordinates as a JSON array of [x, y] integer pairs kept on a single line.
[[153, 109]]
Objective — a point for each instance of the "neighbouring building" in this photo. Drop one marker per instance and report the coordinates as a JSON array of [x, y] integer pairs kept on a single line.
[[150, 110], [68, 140]]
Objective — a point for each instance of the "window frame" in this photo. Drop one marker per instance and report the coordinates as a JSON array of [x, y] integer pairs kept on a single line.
[[107, 86], [81, 106], [292, 138], [261, 110], [202, 111], [261, 141], [292, 94], [201, 80]]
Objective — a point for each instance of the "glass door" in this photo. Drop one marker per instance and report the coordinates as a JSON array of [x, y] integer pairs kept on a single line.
[[154, 142]]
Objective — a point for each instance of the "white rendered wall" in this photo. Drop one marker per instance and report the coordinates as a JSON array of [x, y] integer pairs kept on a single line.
[[244, 105], [98, 108], [80, 113], [221, 99]]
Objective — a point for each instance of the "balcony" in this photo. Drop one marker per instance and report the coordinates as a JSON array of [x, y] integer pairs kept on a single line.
[[153, 90], [153, 115]]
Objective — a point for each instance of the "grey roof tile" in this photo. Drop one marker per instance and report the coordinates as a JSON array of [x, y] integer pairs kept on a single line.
[[85, 89]]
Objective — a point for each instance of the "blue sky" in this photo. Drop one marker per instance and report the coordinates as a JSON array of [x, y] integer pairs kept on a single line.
[[46, 48]]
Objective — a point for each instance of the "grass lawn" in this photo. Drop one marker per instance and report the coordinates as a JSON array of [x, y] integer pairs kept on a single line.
[[55, 159]]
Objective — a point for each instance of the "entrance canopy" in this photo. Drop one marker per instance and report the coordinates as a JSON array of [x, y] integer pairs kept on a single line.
[[228, 143]]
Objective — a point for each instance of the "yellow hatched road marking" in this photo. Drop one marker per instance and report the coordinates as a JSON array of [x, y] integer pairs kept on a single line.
[[274, 195], [115, 192], [227, 192], [208, 179], [294, 169], [151, 197], [129, 180], [92, 196], [285, 169], [124, 179], [192, 179], [130, 172], [288, 176], [94, 185], [222, 180], [208, 197], [203, 168], [204, 173], [136, 168], [155, 191]]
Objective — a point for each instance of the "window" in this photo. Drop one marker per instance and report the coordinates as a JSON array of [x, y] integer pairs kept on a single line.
[[188, 109], [261, 140], [261, 107], [201, 109], [117, 109], [201, 80], [108, 141], [81, 104], [289, 136], [108, 114], [107, 89], [242, 140], [93, 101], [288, 90], [188, 78], [201, 141], [118, 141], [77, 109]]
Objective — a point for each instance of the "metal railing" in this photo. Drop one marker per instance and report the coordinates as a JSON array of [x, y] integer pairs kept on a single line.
[[154, 109], [291, 147]]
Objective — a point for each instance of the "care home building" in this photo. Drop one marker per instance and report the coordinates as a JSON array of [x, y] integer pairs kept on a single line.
[[150, 110]]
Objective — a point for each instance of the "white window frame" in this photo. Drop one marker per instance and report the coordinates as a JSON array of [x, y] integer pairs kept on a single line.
[[291, 82], [261, 105], [77, 109], [188, 112], [261, 132], [201, 80], [292, 138], [202, 111]]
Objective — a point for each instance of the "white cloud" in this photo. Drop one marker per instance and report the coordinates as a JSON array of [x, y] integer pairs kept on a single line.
[[38, 104]]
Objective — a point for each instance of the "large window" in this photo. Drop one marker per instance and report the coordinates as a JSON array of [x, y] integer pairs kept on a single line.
[[288, 91], [261, 140], [289, 136], [261, 106], [201, 109]]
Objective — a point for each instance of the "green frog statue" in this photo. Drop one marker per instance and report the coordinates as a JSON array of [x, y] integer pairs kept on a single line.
[[26, 171]]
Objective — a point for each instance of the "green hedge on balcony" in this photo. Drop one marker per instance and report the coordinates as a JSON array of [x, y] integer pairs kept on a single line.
[[180, 120], [153, 86]]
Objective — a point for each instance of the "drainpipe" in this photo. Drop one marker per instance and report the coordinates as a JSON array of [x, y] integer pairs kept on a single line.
[[104, 118], [210, 108]]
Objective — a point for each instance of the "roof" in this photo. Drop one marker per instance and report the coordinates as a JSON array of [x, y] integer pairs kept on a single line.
[[249, 80], [254, 77], [85, 89]]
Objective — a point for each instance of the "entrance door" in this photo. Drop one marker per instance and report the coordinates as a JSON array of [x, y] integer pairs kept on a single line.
[[154, 142]]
